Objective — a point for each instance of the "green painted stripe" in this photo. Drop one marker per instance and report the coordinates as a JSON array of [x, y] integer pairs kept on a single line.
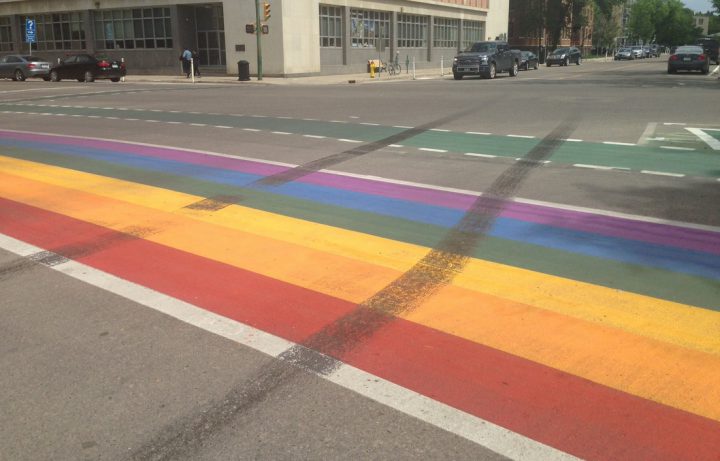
[[657, 283], [696, 163]]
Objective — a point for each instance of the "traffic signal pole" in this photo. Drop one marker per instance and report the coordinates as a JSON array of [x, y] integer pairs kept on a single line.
[[259, 44]]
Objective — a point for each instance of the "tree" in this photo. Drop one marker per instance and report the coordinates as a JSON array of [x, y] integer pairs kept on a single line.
[[605, 28], [664, 21], [677, 27], [557, 14]]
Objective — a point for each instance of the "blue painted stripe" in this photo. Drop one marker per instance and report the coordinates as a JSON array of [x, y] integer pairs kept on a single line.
[[612, 248]]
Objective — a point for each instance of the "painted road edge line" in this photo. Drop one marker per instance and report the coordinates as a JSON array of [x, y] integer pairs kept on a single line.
[[477, 430]]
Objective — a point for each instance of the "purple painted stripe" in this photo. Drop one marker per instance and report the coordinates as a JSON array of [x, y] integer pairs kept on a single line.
[[663, 234]]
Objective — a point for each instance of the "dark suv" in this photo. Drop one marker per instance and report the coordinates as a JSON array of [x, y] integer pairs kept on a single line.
[[564, 56]]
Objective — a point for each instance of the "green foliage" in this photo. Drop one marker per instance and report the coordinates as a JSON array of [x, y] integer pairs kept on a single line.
[[663, 21], [714, 26], [605, 29]]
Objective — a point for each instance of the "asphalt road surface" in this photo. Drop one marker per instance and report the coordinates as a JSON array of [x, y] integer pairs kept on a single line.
[[523, 268]]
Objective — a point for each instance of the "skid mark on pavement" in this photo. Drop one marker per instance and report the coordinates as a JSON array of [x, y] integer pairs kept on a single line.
[[322, 353]]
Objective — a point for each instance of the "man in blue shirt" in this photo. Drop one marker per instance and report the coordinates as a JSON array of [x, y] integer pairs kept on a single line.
[[186, 57]]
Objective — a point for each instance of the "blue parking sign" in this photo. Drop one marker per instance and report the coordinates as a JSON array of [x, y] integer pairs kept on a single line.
[[30, 29]]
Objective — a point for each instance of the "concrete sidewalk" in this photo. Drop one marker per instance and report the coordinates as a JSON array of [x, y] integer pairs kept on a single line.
[[364, 78]]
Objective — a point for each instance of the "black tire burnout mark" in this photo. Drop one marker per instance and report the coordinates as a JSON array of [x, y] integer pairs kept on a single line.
[[322, 353], [219, 202]]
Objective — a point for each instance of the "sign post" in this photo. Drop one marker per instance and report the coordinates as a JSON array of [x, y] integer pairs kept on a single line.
[[30, 33]]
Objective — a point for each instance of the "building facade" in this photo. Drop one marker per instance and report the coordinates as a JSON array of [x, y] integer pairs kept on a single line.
[[305, 37], [527, 32]]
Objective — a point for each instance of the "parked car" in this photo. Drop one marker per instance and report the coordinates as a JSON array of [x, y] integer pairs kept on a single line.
[[638, 52], [564, 56], [20, 67], [528, 60], [689, 57], [624, 53], [88, 68]]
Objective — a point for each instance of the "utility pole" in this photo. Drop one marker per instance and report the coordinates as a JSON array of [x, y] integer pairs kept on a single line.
[[259, 44]]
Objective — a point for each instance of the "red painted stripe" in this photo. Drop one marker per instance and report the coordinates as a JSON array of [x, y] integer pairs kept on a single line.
[[562, 410]]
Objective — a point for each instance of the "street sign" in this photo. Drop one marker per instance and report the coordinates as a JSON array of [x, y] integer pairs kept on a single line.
[[30, 30]]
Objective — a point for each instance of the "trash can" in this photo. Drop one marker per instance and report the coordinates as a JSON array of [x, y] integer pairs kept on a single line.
[[243, 71]]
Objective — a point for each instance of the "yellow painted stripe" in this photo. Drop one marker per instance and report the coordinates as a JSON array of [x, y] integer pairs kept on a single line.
[[663, 372], [676, 323]]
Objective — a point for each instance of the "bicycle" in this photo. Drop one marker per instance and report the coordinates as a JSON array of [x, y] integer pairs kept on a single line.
[[394, 68]]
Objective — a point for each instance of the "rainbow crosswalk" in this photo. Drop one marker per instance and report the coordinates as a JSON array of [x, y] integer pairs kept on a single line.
[[595, 333]]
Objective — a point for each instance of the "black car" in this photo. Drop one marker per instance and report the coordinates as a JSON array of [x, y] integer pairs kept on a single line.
[[690, 57], [564, 56], [20, 67], [87, 68], [528, 60]]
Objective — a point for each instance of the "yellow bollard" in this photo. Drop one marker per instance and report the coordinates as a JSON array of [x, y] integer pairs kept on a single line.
[[372, 69]]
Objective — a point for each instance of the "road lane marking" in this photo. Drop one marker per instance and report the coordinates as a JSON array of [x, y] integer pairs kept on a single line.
[[612, 143], [314, 136], [663, 173], [349, 140], [477, 430], [649, 130], [706, 138], [427, 149], [478, 133], [280, 132], [677, 148], [480, 155], [250, 129], [520, 136]]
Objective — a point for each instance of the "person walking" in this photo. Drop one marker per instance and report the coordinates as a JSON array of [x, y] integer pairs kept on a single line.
[[186, 56], [196, 62]]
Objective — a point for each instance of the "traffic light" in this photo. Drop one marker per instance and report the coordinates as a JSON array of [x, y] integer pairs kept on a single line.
[[266, 10]]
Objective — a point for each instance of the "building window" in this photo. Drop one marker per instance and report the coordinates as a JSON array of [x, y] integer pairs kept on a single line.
[[331, 30], [6, 39], [446, 32], [473, 31], [60, 31], [412, 31], [370, 28], [133, 28]]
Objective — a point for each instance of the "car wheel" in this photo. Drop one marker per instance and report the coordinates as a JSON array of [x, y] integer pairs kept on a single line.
[[514, 69], [89, 78], [18, 76], [671, 71], [492, 71], [457, 76], [115, 79], [706, 70], [548, 64], [47, 79], [54, 77], [578, 60]]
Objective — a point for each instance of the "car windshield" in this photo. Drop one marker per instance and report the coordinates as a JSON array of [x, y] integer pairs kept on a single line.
[[560, 51], [625, 50], [33, 58], [689, 50], [482, 47]]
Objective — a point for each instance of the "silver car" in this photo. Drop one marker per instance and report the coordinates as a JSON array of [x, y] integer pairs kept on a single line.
[[20, 67]]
